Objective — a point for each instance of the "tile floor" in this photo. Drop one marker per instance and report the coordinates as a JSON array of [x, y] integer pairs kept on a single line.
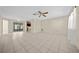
[[20, 42]]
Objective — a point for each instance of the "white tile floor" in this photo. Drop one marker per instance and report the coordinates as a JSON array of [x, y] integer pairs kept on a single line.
[[35, 42]]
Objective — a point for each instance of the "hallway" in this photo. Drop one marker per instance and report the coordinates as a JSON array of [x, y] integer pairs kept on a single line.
[[41, 42]]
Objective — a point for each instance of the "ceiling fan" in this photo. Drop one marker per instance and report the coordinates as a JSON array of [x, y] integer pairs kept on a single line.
[[39, 13]]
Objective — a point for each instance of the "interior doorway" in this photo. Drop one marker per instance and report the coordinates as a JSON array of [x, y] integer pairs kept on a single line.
[[28, 26]]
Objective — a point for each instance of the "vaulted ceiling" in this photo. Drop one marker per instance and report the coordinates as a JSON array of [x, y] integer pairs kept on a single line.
[[26, 12]]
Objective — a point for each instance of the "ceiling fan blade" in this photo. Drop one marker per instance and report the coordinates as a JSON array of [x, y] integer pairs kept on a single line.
[[40, 15], [39, 12], [34, 14], [45, 13]]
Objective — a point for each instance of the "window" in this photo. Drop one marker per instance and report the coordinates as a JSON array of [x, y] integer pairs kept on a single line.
[[18, 26]]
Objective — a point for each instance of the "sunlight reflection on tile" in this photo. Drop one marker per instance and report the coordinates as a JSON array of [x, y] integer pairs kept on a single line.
[[17, 35]]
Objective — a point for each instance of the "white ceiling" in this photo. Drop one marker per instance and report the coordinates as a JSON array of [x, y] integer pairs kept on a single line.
[[26, 12]]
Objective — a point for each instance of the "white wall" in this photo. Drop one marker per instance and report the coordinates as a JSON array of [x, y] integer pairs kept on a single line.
[[75, 31], [72, 27], [1, 24], [76, 34], [10, 26], [45, 25], [77, 21], [5, 26], [35, 25], [57, 25]]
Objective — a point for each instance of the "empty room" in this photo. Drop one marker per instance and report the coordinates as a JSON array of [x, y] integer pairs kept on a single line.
[[39, 29]]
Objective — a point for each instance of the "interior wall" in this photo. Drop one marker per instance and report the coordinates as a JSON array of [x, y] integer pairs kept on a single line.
[[77, 23], [57, 25], [10, 26], [1, 26], [76, 41], [45, 25], [24, 26], [72, 27], [35, 25], [5, 26]]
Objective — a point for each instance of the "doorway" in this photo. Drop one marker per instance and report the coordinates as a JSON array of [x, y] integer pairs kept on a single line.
[[28, 26]]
